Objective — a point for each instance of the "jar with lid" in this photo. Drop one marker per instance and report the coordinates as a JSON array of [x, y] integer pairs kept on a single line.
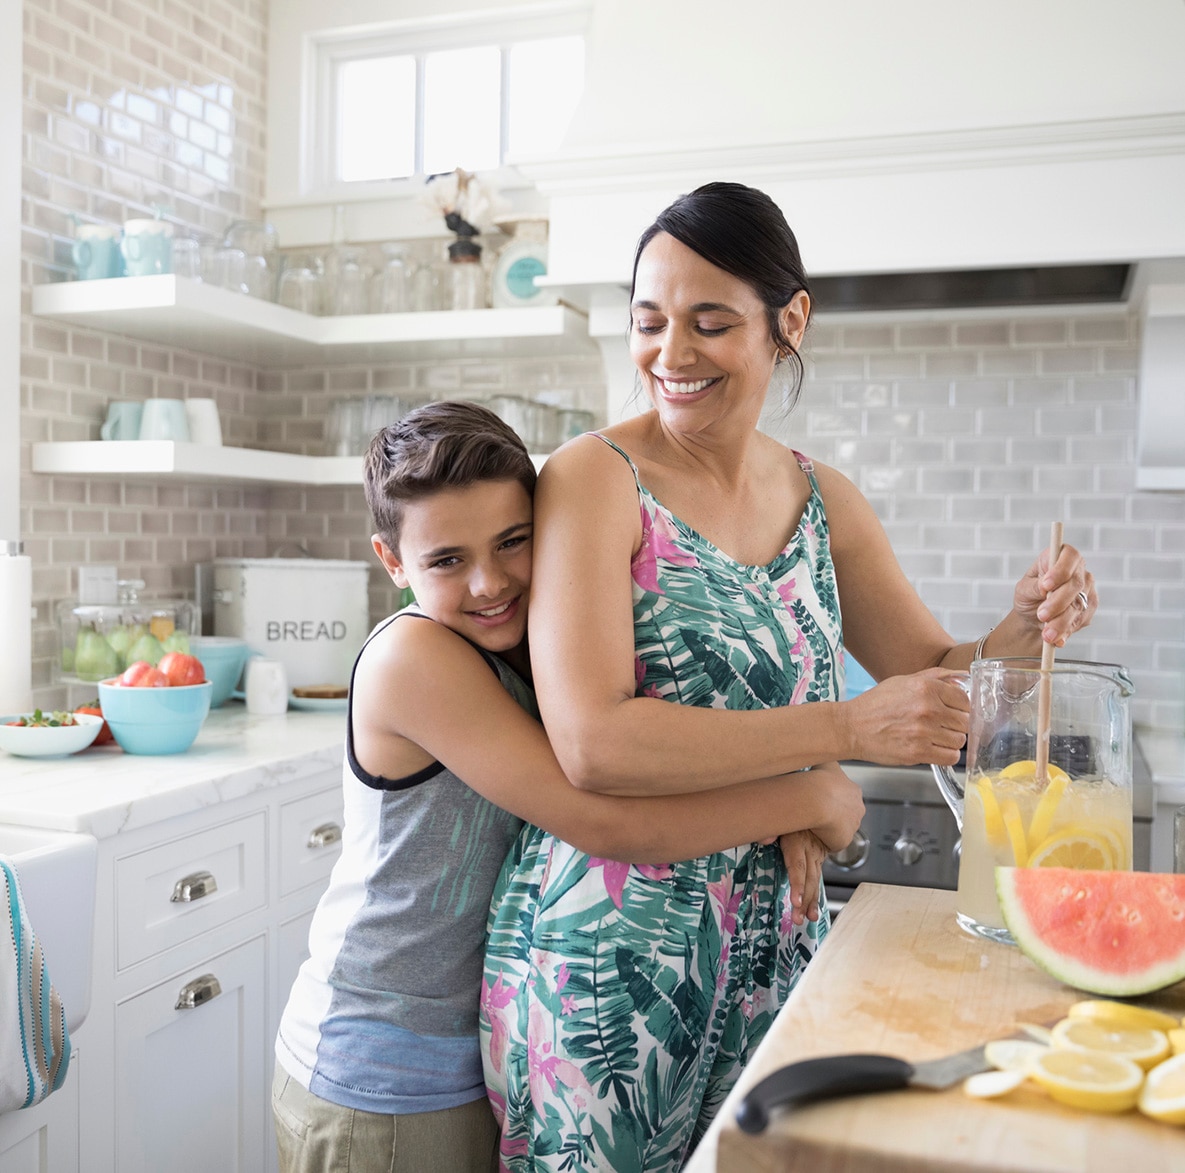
[[99, 640], [466, 275]]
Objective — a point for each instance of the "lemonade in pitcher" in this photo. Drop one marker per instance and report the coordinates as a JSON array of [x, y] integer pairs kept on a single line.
[[1011, 820], [1076, 814]]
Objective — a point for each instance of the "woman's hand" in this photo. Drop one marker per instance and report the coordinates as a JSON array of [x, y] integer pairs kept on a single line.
[[1059, 600], [909, 720], [803, 853]]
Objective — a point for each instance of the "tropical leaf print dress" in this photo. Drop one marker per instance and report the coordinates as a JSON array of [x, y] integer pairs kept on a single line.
[[620, 1001]]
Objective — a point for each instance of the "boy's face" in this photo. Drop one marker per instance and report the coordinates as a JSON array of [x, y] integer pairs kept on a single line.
[[466, 554]]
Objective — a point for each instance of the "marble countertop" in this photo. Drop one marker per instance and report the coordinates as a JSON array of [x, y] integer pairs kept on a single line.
[[104, 791]]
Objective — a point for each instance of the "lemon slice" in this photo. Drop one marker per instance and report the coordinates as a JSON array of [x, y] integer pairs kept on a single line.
[[1077, 846], [1015, 827], [1042, 818], [1012, 1054], [993, 822], [1027, 770], [987, 1085], [1123, 1016], [1143, 1047], [1177, 1040], [1091, 1080], [1163, 1094]]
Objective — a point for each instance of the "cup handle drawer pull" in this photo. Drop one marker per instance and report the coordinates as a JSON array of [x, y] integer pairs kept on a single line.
[[193, 887], [201, 989], [324, 835]]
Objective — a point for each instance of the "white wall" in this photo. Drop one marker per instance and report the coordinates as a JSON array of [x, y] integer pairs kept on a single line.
[[10, 270]]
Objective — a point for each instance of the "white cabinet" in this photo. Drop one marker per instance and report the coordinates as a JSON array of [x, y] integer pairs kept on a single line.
[[190, 1069], [201, 924], [44, 1139]]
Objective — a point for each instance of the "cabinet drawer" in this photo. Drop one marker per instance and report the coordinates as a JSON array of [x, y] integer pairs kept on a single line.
[[310, 839], [177, 890]]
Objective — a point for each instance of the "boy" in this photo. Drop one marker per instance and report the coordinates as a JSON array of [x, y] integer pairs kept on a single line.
[[378, 1062]]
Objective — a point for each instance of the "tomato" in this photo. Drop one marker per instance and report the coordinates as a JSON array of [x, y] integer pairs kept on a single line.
[[182, 669], [105, 734], [142, 674]]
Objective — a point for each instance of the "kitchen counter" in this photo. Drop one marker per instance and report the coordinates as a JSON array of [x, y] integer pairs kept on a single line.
[[897, 976], [104, 791], [1165, 754]]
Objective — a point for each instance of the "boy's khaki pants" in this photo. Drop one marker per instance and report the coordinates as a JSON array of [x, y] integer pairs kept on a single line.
[[315, 1136]]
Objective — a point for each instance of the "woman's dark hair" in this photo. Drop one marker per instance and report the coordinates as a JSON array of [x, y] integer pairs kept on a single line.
[[742, 231], [448, 445]]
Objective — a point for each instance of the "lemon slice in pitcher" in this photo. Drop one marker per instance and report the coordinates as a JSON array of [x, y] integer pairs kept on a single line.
[[1042, 818], [1015, 827], [993, 821], [1027, 771], [1077, 846]]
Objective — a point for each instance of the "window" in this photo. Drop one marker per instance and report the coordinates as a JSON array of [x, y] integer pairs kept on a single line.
[[428, 100]]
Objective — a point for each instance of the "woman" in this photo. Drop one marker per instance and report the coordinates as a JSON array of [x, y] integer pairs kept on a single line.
[[690, 574]]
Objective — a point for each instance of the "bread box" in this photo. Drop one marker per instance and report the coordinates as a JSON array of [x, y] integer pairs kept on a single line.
[[311, 614]]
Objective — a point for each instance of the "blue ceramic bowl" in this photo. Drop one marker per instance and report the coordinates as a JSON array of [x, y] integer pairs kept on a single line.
[[155, 720], [223, 657]]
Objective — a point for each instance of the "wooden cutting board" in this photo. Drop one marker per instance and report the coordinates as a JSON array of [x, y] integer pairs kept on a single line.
[[898, 976]]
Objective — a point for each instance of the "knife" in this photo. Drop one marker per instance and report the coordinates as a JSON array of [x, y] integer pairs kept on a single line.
[[852, 1075]]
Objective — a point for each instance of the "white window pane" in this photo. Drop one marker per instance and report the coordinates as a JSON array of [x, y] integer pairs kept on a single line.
[[462, 100], [376, 118], [546, 79]]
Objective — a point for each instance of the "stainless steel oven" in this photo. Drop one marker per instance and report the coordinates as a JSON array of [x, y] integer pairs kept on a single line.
[[909, 836]]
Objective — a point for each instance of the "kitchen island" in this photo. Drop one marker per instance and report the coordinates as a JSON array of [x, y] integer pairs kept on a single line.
[[897, 976]]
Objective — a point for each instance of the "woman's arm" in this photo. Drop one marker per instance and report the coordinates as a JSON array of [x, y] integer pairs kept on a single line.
[[426, 685], [587, 528]]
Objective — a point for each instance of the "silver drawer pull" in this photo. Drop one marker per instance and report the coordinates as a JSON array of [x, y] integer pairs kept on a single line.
[[324, 835], [201, 989], [193, 887]]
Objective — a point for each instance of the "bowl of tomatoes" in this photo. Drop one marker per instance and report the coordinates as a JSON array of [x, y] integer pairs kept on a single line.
[[157, 709], [48, 735]]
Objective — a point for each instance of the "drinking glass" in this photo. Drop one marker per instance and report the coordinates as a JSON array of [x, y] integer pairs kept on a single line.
[[349, 295], [391, 284], [302, 284]]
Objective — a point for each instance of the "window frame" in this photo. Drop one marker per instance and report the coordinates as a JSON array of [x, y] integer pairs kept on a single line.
[[328, 50]]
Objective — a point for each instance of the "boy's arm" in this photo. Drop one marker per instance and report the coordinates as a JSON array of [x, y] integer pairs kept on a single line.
[[426, 684]]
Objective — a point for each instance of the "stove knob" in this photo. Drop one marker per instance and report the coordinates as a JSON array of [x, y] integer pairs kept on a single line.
[[908, 851], [854, 854]]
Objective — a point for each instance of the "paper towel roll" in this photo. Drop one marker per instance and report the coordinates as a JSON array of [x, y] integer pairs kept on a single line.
[[16, 629]]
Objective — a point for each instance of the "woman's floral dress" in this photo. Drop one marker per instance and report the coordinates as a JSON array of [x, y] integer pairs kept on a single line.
[[621, 1001]]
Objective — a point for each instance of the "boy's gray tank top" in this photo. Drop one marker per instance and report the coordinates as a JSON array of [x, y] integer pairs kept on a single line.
[[383, 1015]]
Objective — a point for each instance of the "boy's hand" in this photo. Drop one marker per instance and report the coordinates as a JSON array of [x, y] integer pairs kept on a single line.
[[803, 853]]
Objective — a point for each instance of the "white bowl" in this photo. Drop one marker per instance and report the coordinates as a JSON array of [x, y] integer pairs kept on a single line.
[[48, 741]]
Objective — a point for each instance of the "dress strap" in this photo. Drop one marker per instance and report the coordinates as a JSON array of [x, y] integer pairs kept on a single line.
[[624, 456]]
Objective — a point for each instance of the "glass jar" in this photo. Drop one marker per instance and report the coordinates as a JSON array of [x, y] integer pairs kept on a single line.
[[99, 640], [519, 263], [466, 275], [391, 293]]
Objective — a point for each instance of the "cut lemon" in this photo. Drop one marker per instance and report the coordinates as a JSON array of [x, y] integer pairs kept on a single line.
[[1163, 1094], [1012, 1054], [1177, 1040], [987, 1085], [1091, 1080], [1123, 1016], [1042, 818], [1015, 827], [993, 822], [1080, 847], [1028, 770], [1146, 1048]]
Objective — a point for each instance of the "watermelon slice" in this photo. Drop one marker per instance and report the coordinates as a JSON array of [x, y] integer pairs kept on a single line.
[[1116, 933]]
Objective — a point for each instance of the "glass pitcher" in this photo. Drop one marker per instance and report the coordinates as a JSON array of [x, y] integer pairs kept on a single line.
[[1078, 815]]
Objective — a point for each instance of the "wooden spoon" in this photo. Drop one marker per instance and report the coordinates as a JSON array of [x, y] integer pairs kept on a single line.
[[1045, 686]]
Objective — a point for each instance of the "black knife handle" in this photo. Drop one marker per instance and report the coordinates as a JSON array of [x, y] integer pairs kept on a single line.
[[820, 1079]]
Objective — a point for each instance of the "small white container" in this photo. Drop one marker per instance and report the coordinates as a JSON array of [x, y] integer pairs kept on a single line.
[[512, 282], [311, 614]]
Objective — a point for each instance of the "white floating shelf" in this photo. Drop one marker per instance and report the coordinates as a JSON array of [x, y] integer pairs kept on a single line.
[[175, 311], [1164, 478], [196, 462], [140, 458]]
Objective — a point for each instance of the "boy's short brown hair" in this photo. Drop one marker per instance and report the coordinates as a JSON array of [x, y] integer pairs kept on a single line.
[[448, 445]]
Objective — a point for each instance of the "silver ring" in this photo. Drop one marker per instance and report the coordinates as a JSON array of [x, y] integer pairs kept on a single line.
[[1083, 600]]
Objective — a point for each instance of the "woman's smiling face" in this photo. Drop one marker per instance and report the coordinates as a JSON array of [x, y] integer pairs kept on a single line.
[[700, 337]]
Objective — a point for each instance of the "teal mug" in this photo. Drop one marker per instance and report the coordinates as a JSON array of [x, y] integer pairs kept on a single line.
[[147, 247], [123, 421], [96, 252]]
